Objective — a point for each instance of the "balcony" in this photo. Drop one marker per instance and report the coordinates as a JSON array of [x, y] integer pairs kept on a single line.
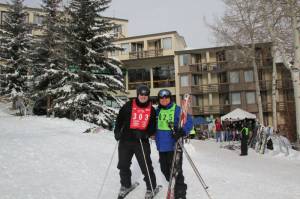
[[202, 67], [281, 106], [206, 110], [133, 85], [145, 54]]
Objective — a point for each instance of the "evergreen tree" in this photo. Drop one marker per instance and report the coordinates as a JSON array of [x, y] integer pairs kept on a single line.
[[15, 39], [48, 58], [92, 78]]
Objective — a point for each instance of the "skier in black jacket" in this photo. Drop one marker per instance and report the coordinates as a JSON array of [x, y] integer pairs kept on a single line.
[[136, 122]]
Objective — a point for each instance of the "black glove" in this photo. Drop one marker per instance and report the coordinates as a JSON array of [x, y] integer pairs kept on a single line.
[[178, 134]]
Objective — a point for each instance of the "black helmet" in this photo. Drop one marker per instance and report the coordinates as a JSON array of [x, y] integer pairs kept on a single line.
[[142, 90], [164, 93]]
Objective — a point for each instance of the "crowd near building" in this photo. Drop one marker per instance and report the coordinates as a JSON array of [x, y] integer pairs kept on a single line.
[[219, 78]]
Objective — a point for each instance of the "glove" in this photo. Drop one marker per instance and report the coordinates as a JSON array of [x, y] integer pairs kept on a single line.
[[178, 134]]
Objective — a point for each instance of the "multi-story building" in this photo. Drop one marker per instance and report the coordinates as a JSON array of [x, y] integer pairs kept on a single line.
[[220, 80], [149, 59]]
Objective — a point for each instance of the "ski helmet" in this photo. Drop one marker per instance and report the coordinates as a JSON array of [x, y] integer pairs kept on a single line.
[[164, 93], [143, 90]]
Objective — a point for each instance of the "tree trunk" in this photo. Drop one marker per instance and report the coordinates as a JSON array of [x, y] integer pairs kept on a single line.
[[295, 73], [48, 105], [274, 90], [257, 88], [296, 85]]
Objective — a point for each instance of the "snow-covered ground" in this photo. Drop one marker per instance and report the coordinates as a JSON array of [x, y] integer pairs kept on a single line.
[[49, 158]]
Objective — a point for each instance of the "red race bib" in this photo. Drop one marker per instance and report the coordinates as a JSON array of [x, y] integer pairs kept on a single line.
[[140, 116]]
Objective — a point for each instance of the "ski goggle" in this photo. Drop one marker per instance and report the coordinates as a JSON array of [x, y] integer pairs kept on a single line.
[[164, 94], [144, 92]]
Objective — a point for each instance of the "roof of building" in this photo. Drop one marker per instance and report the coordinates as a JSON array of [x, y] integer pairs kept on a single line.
[[199, 50], [148, 35]]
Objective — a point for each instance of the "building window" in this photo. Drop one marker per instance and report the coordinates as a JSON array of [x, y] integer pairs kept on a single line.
[[184, 81], [164, 76], [183, 60], [234, 77], [117, 29], [38, 19], [220, 56], [138, 76], [235, 98], [196, 100], [195, 80], [167, 43], [125, 47], [248, 76], [4, 16], [250, 98]]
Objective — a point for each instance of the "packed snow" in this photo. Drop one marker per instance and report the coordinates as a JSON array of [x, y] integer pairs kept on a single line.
[[50, 158]]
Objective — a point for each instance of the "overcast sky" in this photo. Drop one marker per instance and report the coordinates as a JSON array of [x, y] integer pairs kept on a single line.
[[154, 16]]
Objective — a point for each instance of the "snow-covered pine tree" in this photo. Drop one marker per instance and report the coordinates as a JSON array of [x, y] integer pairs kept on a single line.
[[49, 67], [15, 39], [92, 78]]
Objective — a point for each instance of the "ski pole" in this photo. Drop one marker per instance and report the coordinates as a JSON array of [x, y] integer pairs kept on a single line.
[[107, 170], [147, 167], [195, 170]]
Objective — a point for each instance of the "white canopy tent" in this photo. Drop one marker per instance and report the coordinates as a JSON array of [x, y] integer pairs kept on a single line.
[[238, 114]]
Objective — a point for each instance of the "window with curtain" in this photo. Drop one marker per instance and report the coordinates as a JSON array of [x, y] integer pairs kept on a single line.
[[183, 60], [250, 98], [184, 80], [167, 43], [235, 98], [248, 76], [234, 77]]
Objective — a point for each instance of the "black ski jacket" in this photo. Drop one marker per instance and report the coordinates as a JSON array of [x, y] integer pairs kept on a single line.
[[122, 125]]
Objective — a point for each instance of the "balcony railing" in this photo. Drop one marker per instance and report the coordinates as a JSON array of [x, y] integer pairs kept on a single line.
[[202, 67], [133, 85], [202, 110], [226, 108], [164, 83], [145, 54]]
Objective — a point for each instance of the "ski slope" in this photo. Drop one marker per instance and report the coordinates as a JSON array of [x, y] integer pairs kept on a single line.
[[50, 158]]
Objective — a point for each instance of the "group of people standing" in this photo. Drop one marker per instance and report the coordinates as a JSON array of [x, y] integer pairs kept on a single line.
[[235, 131], [138, 121]]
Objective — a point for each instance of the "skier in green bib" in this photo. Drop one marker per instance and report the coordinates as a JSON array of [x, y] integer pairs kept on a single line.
[[168, 112]]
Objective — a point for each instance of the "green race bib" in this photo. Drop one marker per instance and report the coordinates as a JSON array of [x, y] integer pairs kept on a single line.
[[166, 116]]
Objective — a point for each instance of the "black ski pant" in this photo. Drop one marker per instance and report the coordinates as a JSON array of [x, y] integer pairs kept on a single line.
[[126, 151], [244, 144], [165, 160]]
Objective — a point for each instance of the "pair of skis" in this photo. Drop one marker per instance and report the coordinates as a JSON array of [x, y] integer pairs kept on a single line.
[[123, 194]]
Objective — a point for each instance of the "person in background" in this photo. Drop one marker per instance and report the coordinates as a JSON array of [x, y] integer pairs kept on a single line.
[[169, 113], [244, 140], [218, 130], [192, 133]]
